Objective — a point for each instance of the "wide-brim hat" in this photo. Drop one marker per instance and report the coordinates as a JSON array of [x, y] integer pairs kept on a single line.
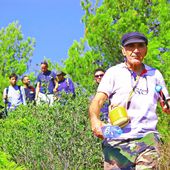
[[60, 73]]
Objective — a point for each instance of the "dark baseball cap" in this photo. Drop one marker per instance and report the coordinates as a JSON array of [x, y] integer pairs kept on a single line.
[[60, 73], [133, 37]]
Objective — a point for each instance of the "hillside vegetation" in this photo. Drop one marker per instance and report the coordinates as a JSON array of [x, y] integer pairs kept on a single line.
[[59, 137]]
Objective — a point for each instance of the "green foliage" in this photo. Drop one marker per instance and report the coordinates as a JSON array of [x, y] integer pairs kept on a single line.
[[163, 125], [57, 137], [15, 53], [78, 66], [7, 164], [104, 27]]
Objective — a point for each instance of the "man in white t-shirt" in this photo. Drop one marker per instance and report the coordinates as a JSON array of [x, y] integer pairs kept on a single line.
[[131, 85], [13, 95]]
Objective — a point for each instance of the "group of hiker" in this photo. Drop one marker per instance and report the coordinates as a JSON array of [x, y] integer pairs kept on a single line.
[[49, 87], [129, 85]]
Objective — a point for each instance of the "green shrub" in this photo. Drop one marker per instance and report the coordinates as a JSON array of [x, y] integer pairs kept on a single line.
[[7, 164], [163, 125], [57, 137]]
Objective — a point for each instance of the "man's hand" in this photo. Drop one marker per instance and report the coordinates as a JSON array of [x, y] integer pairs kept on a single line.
[[164, 106], [96, 125], [94, 114], [55, 90], [56, 86]]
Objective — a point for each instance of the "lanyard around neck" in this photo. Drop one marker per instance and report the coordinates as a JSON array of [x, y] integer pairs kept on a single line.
[[132, 92]]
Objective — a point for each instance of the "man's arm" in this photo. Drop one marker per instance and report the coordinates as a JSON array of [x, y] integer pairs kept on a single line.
[[94, 113], [37, 90], [23, 95], [56, 84]]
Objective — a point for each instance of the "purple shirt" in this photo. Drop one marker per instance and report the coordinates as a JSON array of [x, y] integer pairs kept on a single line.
[[67, 86], [46, 81]]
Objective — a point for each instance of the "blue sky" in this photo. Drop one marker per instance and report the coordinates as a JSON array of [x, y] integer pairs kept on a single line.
[[54, 24]]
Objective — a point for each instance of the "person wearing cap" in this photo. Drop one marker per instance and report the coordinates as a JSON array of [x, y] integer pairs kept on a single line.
[[131, 85], [64, 84], [46, 85]]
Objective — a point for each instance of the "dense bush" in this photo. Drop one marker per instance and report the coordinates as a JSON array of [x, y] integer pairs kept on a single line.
[[7, 164], [163, 128], [59, 137]]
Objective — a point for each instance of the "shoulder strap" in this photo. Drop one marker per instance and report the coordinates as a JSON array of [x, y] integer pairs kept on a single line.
[[6, 99], [19, 87], [67, 82], [7, 90], [132, 92]]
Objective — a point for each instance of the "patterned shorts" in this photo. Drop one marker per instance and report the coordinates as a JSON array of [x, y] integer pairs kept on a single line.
[[132, 154]]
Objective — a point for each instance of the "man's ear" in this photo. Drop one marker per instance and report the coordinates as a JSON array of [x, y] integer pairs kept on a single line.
[[123, 51]]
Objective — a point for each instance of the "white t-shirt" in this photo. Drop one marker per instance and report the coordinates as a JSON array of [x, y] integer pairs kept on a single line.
[[118, 82], [15, 95]]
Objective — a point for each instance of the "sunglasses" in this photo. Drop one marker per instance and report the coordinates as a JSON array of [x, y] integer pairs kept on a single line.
[[100, 75]]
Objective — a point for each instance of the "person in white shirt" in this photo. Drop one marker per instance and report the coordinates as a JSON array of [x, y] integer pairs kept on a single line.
[[132, 86], [13, 95]]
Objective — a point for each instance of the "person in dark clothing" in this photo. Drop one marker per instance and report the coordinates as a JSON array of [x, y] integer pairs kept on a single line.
[[98, 75], [29, 90]]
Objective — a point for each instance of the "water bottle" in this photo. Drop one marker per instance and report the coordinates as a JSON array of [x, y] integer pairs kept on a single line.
[[110, 131]]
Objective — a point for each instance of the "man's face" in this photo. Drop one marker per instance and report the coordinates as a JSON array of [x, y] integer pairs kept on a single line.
[[135, 53], [13, 81], [60, 77], [26, 81], [98, 76], [44, 68]]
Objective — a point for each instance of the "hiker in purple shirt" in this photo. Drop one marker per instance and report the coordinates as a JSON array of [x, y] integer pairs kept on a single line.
[[64, 84], [46, 85]]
